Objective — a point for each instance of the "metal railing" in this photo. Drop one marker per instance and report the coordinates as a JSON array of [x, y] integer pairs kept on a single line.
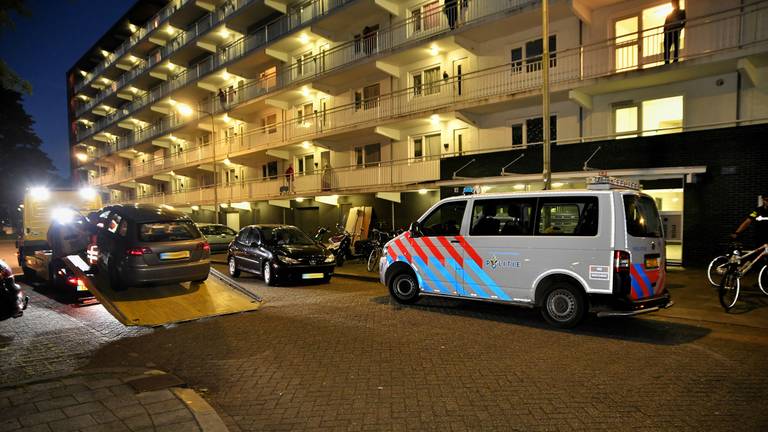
[[138, 35], [566, 67]]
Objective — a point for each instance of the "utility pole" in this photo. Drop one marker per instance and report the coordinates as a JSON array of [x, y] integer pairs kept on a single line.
[[547, 169]]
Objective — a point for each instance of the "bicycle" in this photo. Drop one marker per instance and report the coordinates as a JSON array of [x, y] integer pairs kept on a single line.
[[380, 238], [737, 266]]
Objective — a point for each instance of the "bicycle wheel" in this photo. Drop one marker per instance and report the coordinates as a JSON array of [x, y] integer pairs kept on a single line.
[[762, 279], [729, 288], [373, 260], [716, 269]]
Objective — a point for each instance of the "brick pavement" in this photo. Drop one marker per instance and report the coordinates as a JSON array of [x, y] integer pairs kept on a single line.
[[344, 357], [94, 401]]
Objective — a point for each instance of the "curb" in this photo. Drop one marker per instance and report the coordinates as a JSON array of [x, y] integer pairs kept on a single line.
[[207, 418]]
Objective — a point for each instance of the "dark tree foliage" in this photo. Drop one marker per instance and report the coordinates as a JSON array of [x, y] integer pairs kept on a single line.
[[22, 161], [8, 78]]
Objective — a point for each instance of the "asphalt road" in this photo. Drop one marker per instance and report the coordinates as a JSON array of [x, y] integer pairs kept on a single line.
[[344, 357]]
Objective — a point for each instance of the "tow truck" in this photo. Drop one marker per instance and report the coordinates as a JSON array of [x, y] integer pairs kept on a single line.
[[63, 209]]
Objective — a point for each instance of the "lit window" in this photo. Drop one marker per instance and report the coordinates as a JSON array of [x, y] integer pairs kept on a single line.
[[662, 116], [626, 121]]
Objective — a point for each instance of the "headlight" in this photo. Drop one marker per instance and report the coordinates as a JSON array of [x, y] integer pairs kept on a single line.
[[330, 258], [288, 260]]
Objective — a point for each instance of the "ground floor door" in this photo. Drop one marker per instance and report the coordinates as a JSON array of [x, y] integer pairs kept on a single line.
[[670, 205], [307, 219], [233, 220]]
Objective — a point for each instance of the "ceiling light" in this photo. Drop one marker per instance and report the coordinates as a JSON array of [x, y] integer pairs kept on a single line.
[[82, 157], [434, 50], [435, 119], [227, 162], [519, 186], [422, 191], [305, 144], [304, 38], [171, 66], [299, 199], [305, 91], [224, 33]]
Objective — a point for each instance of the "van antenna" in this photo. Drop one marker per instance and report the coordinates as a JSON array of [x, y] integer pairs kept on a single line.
[[503, 169], [455, 177], [586, 167]]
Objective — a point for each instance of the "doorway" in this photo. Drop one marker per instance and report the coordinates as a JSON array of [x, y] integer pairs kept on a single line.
[[307, 219], [459, 69], [233, 220], [459, 140]]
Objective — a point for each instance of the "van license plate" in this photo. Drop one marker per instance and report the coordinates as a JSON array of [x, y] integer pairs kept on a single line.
[[174, 255], [312, 276], [652, 262]]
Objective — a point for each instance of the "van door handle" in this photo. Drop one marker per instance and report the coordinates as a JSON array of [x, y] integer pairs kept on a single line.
[[455, 241]]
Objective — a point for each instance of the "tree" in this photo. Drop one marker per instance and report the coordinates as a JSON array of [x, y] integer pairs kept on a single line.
[[8, 78], [23, 162]]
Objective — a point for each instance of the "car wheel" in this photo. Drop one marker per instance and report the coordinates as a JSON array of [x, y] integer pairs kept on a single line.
[[326, 279], [564, 306], [115, 281], [266, 272], [404, 288], [233, 270]]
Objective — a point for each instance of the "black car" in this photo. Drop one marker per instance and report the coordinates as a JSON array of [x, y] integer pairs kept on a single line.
[[279, 253], [147, 244]]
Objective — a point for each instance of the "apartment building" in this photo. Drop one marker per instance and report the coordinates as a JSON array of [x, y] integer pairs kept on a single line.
[[394, 104]]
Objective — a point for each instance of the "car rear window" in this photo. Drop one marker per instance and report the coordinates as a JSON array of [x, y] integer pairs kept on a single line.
[[642, 216], [168, 231], [217, 230]]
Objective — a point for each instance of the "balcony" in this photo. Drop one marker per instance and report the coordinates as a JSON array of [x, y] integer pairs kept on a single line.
[[382, 176], [129, 43], [323, 63]]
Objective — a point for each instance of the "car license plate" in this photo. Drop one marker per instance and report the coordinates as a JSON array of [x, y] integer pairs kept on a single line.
[[174, 255], [312, 276], [651, 262]]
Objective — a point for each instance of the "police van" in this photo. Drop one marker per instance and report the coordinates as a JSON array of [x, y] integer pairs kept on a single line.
[[599, 250]]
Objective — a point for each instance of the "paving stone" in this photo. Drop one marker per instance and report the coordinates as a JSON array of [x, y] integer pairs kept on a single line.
[[93, 395], [169, 417], [104, 417], [9, 425], [102, 383], [154, 396], [139, 422], [129, 411], [189, 426], [73, 423], [60, 402], [86, 408], [42, 417], [163, 406], [116, 426]]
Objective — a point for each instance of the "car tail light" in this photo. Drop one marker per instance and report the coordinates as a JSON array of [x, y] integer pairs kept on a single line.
[[204, 246], [138, 251], [621, 261]]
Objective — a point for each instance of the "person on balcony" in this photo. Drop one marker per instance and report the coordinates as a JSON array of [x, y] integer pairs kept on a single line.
[[452, 12], [289, 178], [222, 98], [673, 26]]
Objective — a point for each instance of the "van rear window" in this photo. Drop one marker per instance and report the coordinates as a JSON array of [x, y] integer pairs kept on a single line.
[[642, 216], [168, 231]]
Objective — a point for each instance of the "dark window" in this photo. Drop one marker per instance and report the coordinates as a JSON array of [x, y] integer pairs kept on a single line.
[[568, 216], [285, 235], [642, 216], [534, 130], [517, 59], [168, 231], [533, 51], [372, 154], [269, 170], [517, 134], [503, 217], [445, 220], [216, 230], [242, 235], [358, 100]]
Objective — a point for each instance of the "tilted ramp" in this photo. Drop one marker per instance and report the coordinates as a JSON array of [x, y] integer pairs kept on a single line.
[[153, 306]]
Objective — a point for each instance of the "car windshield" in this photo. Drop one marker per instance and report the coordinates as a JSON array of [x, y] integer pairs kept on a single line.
[[285, 236], [168, 231], [217, 230]]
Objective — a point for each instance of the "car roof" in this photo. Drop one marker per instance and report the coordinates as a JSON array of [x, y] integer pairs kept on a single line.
[[148, 213], [540, 193], [260, 226]]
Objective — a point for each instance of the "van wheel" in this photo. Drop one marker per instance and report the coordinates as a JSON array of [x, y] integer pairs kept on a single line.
[[114, 279], [266, 272], [233, 270], [404, 288], [564, 306]]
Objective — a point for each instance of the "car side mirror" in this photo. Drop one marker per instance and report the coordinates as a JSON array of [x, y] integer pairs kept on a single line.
[[415, 229], [255, 243]]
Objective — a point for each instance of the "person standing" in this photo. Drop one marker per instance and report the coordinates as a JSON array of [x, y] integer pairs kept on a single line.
[[222, 98], [673, 26], [760, 217], [452, 12], [289, 178]]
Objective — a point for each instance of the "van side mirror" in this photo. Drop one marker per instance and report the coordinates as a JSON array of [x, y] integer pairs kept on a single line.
[[415, 229]]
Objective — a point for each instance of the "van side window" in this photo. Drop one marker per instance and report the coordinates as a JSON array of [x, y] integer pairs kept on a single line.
[[568, 216], [503, 217], [445, 220]]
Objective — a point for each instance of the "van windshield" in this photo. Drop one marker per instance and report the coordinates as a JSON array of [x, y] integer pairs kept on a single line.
[[642, 216], [168, 231]]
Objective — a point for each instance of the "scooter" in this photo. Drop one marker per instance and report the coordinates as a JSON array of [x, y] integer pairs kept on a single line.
[[339, 244], [13, 302]]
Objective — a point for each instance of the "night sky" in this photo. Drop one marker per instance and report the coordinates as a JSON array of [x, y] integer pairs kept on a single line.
[[43, 47]]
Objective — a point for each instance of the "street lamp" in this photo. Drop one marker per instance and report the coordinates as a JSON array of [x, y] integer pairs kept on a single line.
[[547, 169], [187, 111]]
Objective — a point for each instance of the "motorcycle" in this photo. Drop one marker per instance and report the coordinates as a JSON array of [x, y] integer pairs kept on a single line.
[[339, 244], [13, 302]]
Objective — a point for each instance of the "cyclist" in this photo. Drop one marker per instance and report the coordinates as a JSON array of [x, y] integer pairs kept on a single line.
[[760, 216]]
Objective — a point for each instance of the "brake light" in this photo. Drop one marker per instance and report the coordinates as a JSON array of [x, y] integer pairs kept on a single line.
[[204, 246], [138, 251], [621, 261]]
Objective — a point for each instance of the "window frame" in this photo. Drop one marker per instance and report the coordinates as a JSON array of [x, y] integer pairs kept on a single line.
[[531, 201], [567, 200], [436, 209], [523, 124]]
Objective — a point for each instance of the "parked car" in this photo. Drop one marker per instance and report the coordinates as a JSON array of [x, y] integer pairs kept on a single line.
[[279, 253], [147, 244], [13, 302], [219, 236]]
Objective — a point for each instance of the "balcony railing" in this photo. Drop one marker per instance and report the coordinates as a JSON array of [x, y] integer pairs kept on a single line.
[[323, 62], [296, 17], [380, 175], [138, 35], [566, 67]]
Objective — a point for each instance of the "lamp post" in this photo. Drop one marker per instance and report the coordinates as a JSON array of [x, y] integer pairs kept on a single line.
[[547, 169], [186, 111]]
